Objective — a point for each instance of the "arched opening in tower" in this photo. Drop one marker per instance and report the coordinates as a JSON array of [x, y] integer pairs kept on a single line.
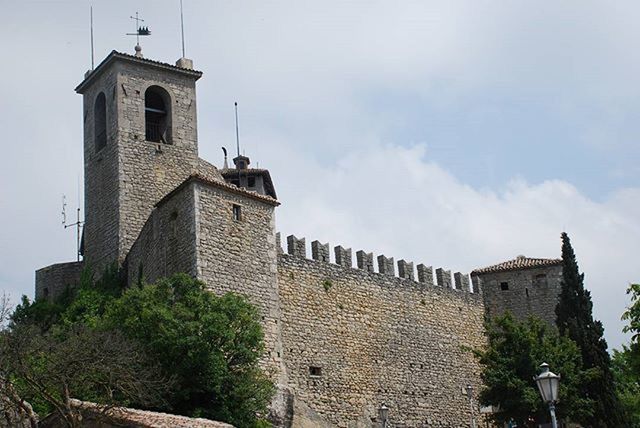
[[156, 113], [100, 122]]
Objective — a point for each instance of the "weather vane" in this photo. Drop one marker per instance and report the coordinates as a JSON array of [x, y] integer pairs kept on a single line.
[[140, 31]]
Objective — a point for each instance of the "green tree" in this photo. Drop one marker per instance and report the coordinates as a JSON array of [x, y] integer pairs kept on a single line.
[[626, 363], [511, 361], [625, 367], [49, 368], [574, 319], [210, 344], [207, 345]]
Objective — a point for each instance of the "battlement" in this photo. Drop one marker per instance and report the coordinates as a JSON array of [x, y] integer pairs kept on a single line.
[[421, 275]]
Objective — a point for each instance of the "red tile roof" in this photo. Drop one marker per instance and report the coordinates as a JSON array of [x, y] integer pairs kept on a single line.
[[115, 55], [520, 262], [146, 419]]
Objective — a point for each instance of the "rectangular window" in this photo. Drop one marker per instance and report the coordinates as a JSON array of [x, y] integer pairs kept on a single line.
[[504, 286], [251, 182], [315, 371], [237, 212]]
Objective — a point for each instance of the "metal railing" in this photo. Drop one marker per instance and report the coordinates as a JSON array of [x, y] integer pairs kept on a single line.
[[154, 132]]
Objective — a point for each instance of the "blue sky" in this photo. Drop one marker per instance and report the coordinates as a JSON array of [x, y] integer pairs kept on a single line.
[[458, 133]]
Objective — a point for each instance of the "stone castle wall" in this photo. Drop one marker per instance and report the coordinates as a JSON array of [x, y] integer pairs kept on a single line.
[[124, 179], [530, 292], [354, 339], [101, 183], [166, 244], [240, 255], [150, 170], [52, 281]]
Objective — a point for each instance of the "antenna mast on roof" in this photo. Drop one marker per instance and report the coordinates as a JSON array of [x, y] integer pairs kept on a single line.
[[237, 132], [182, 29], [92, 51], [78, 224]]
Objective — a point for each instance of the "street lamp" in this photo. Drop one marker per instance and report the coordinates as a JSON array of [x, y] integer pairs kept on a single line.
[[383, 415], [548, 385], [469, 389]]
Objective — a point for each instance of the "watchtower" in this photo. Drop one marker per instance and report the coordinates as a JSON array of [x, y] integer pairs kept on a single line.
[[140, 142]]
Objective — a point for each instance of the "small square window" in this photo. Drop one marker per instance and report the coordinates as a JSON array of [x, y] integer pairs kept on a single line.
[[237, 212], [504, 286], [315, 371]]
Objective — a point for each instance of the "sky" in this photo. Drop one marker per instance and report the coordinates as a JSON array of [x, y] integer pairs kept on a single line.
[[457, 134]]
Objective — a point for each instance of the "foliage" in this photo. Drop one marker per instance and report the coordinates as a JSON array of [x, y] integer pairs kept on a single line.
[[205, 347], [210, 344], [632, 314], [49, 368], [575, 320], [511, 361], [626, 372], [626, 363]]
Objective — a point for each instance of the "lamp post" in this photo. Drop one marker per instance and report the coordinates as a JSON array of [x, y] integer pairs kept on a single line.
[[469, 389], [383, 415], [548, 385]]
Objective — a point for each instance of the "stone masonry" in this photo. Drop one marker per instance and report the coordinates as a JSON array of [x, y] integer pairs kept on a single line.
[[340, 340], [523, 286]]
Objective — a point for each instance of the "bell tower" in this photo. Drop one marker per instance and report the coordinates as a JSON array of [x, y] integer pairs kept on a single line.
[[140, 142]]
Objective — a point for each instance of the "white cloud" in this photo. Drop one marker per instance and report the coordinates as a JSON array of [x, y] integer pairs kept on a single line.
[[324, 88], [392, 200]]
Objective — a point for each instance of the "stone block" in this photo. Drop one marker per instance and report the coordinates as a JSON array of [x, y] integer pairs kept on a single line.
[[343, 256], [461, 281], [443, 277], [405, 270], [385, 265], [425, 274], [364, 260], [319, 251], [296, 247]]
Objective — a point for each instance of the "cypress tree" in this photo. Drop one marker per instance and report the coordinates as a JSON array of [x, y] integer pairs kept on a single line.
[[574, 319]]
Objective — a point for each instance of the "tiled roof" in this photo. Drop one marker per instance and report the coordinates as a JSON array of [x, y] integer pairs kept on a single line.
[[520, 262], [119, 55], [220, 184], [147, 419], [268, 183]]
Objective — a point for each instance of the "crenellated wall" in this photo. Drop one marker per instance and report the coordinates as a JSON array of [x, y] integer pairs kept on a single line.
[[353, 338], [386, 266]]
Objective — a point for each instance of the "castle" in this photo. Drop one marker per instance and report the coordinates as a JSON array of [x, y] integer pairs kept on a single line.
[[340, 339]]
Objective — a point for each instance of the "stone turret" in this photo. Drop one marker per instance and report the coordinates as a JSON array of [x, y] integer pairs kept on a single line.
[[140, 142]]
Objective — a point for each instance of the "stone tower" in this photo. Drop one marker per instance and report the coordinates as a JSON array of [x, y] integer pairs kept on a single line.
[[140, 142], [523, 286]]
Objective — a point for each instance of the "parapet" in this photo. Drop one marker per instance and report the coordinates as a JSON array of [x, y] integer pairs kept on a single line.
[[296, 247], [53, 280], [385, 266], [319, 251], [405, 270], [343, 256], [365, 261], [443, 277]]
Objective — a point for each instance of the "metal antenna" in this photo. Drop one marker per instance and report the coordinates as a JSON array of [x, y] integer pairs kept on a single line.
[[237, 132], [64, 209], [92, 51], [182, 29], [78, 224]]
